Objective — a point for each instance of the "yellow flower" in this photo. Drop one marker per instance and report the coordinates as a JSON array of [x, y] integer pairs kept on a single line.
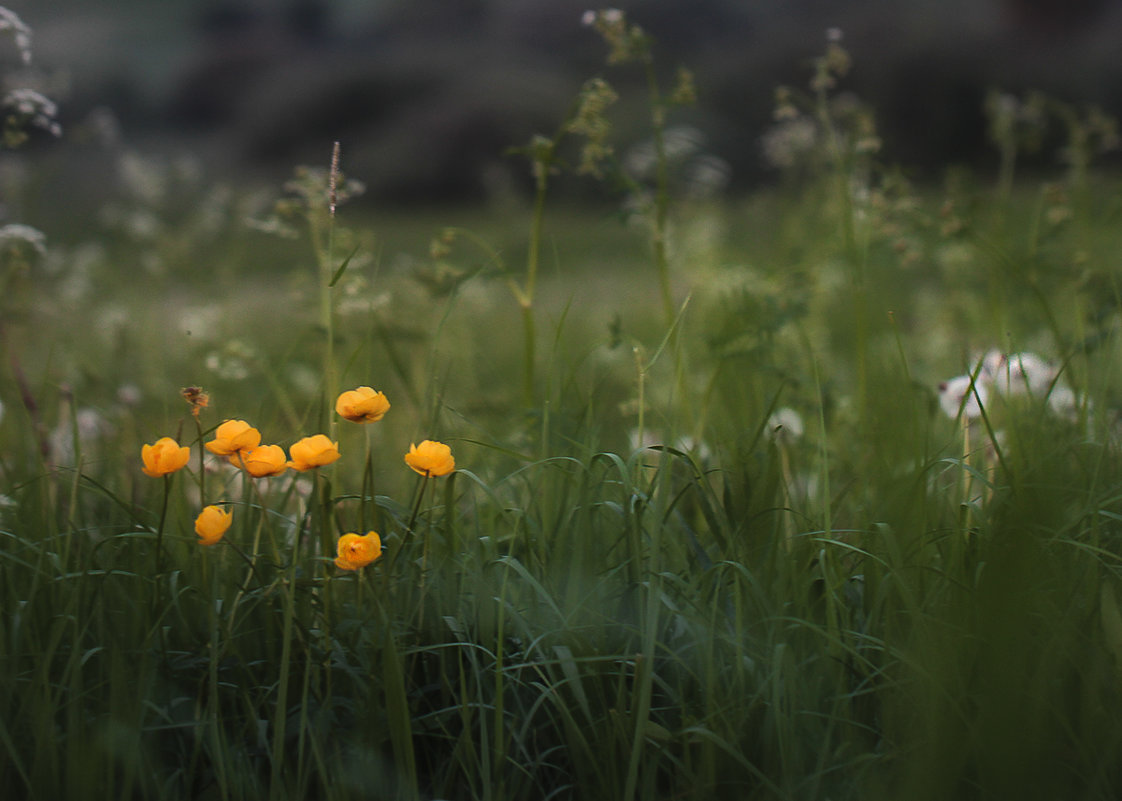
[[362, 405], [234, 436], [164, 456], [431, 458], [211, 524], [264, 460], [357, 552], [314, 451]]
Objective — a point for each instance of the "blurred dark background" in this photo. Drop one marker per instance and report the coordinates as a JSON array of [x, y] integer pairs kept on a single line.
[[428, 95]]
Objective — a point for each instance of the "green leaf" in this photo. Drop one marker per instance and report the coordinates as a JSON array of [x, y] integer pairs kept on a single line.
[[342, 267]]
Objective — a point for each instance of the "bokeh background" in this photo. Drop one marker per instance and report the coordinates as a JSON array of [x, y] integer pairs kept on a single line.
[[427, 96]]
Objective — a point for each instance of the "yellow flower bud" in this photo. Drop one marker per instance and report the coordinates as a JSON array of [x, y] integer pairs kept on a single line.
[[211, 524], [356, 552], [164, 456], [362, 405], [314, 451], [431, 458]]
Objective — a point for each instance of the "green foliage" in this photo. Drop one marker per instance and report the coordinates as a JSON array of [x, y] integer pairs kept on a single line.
[[748, 549]]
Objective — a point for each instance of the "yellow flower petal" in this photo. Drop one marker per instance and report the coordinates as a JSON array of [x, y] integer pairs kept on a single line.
[[264, 460], [314, 451], [211, 524], [356, 552], [164, 456], [234, 436], [431, 458], [362, 405]]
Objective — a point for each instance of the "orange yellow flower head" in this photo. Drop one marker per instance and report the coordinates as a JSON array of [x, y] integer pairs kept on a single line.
[[357, 552], [314, 451], [431, 458], [362, 405], [234, 436], [164, 456], [264, 460], [211, 524]]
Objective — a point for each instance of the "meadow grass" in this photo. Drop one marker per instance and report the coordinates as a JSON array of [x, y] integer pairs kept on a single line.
[[737, 544]]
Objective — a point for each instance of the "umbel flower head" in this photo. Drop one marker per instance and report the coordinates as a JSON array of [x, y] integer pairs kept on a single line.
[[211, 524], [362, 405], [264, 460], [164, 456], [356, 552], [1018, 373], [962, 395], [234, 436], [431, 458], [314, 451]]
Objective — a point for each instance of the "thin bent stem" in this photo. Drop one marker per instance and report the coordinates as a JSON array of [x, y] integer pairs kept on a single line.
[[525, 294], [662, 190], [408, 533], [160, 527]]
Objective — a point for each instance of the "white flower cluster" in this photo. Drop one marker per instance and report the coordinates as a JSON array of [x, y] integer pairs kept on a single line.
[[17, 235], [1007, 375], [20, 33], [33, 108], [611, 16]]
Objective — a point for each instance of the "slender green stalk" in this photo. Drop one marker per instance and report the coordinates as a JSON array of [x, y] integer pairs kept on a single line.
[[280, 709], [524, 294], [418, 496], [326, 259], [214, 705], [662, 189], [161, 524]]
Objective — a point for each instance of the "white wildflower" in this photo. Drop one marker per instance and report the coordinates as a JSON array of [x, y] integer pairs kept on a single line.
[[651, 440], [17, 235], [1019, 373], [964, 396], [33, 108], [1065, 403], [20, 33], [129, 395], [785, 143], [785, 425]]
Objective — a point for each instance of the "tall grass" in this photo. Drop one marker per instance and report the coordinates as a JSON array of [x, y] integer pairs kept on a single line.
[[738, 546]]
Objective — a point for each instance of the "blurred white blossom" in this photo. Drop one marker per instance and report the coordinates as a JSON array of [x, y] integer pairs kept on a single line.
[[1018, 373], [20, 33], [785, 425], [962, 395], [16, 236]]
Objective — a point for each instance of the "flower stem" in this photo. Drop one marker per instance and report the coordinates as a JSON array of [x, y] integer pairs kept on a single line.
[[160, 527], [662, 188], [420, 493]]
